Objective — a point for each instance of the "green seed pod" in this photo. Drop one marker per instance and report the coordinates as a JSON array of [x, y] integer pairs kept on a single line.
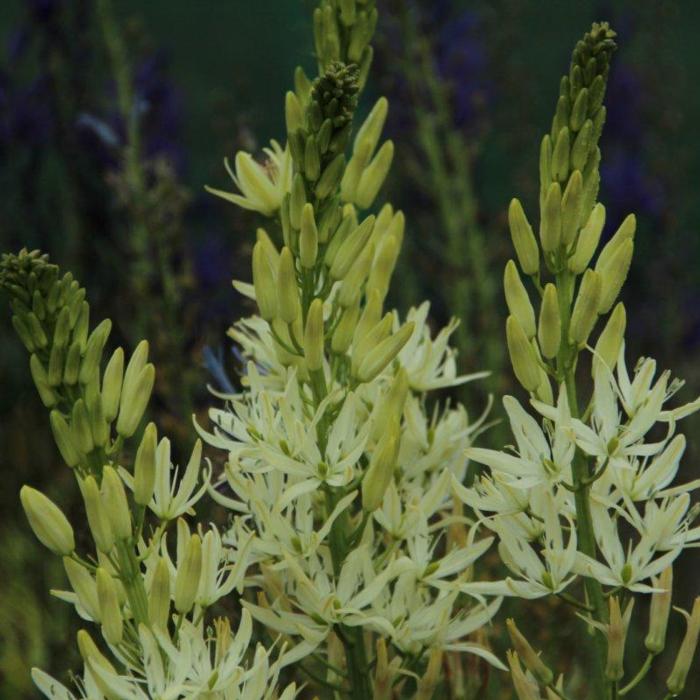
[[588, 240], [518, 300], [65, 441], [47, 521], [549, 328], [313, 336], [288, 305], [374, 175], [523, 239], [585, 312], [308, 237], [550, 225], [41, 381], [530, 657], [522, 355], [679, 673]]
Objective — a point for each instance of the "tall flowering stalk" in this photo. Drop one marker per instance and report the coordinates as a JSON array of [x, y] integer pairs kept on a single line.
[[583, 476]]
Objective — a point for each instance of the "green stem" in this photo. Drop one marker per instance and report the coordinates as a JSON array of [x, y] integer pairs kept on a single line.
[[133, 582], [640, 675]]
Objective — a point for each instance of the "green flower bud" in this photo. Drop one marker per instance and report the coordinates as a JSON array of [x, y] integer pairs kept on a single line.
[[93, 353], [525, 688], [679, 674], [522, 355], [347, 225], [329, 222], [308, 238], [351, 248], [297, 200], [98, 425], [374, 175], [351, 288], [549, 328], [110, 610], [293, 113], [381, 468], [92, 656], [523, 239], [384, 264], [588, 240], [379, 358], [115, 504], [571, 204], [582, 146], [62, 330], [543, 392], [47, 521], [518, 300], [347, 12], [390, 408], [330, 177], [38, 306], [145, 466], [607, 349], [659, 611], [361, 33], [65, 440], [188, 573], [57, 358], [530, 657], [550, 224], [370, 132], [616, 633], [264, 282], [113, 376], [560, 156], [36, 331], [84, 587], [22, 330], [345, 330], [269, 247], [313, 336], [72, 366], [622, 235], [325, 133], [80, 426], [82, 326], [159, 595], [134, 399], [613, 274], [312, 159], [545, 165], [288, 305], [136, 364], [351, 177], [96, 513], [585, 312], [41, 381]]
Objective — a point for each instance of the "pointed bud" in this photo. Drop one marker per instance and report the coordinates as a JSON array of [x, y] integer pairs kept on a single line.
[[115, 503], [371, 130], [549, 328], [345, 330], [47, 521], [524, 688], [351, 177], [588, 240], [560, 156], [545, 164], [676, 681], [97, 515], [623, 234], [617, 634], [159, 595], [90, 366], [383, 267], [80, 426], [110, 610], [518, 300], [136, 364], [84, 587], [41, 380], [92, 656], [659, 611], [188, 572], [427, 684], [313, 336], [297, 200], [98, 425], [374, 175], [312, 159], [571, 204], [330, 177], [64, 438], [381, 468], [607, 349], [145, 466], [293, 112], [550, 225], [72, 366], [530, 657], [264, 282], [613, 274], [585, 312], [308, 238], [522, 356], [351, 248], [351, 288], [288, 304], [379, 358], [134, 399], [390, 409]]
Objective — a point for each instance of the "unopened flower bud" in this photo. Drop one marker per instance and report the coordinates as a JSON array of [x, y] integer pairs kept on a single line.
[[571, 203], [57, 358], [91, 654], [345, 330], [624, 233], [188, 573], [607, 349], [159, 595], [264, 283], [293, 112], [529, 656], [41, 380], [96, 512], [588, 240], [381, 468], [676, 680], [351, 177], [112, 385], [659, 611], [72, 365], [351, 288], [288, 304], [47, 521], [549, 327], [371, 315], [145, 466], [65, 441], [136, 363], [384, 353], [545, 163], [84, 587], [430, 679], [330, 177], [351, 248], [80, 426], [560, 155], [115, 503], [93, 352], [391, 407], [524, 688], [134, 399], [374, 175], [522, 355], [313, 336], [312, 159], [613, 274], [110, 610], [383, 267], [308, 238], [616, 633], [371, 130], [585, 312], [518, 300], [550, 224], [297, 200]]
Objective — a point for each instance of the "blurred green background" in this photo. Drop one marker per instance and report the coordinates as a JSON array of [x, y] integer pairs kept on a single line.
[[114, 115]]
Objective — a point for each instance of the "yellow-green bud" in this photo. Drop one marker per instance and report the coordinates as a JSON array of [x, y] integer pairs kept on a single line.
[[522, 355], [93, 352], [136, 364], [345, 330], [428, 682], [288, 304], [57, 358], [371, 316], [523, 239], [351, 177], [72, 366], [159, 595], [351, 288], [381, 468], [36, 331], [80, 425], [607, 349], [115, 503], [676, 680], [518, 300], [93, 657], [134, 399], [371, 130], [374, 175], [347, 225], [97, 515], [188, 574], [145, 466], [41, 381], [624, 233], [560, 155], [308, 238], [22, 330], [313, 336], [112, 385], [383, 267], [659, 611], [585, 312], [83, 584], [363, 343], [617, 633], [524, 688], [62, 330], [545, 164], [351, 248], [302, 84], [550, 224], [613, 274], [269, 247], [549, 328], [98, 425], [330, 177], [297, 200], [293, 112], [312, 159], [47, 521], [110, 611], [530, 657], [65, 441], [384, 353], [588, 240], [80, 332], [544, 389], [390, 408], [571, 203], [264, 282]]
